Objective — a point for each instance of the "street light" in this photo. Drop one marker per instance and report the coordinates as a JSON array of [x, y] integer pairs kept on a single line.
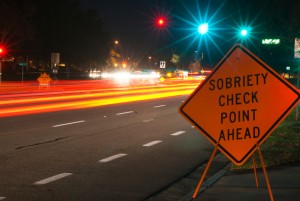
[[112, 43]]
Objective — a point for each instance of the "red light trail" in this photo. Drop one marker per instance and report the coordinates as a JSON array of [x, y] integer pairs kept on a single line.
[[84, 96]]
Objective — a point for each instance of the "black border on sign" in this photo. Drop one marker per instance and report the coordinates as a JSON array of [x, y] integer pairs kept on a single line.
[[208, 78]]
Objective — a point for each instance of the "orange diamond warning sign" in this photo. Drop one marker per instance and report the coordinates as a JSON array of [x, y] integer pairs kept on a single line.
[[240, 104], [44, 78]]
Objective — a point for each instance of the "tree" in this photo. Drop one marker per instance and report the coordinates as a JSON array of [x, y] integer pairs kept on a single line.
[[284, 18], [113, 59], [15, 27], [283, 23], [63, 27], [175, 59], [195, 66], [37, 28]]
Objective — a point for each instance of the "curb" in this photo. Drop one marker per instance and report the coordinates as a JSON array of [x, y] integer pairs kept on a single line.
[[207, 183], [183, 188]]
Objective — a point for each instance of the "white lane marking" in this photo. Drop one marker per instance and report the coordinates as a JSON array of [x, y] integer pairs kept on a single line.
[[121, 113], [152, 143], [105, 160], [2, 198], [53, 178], [66, 124], [158, 106], [147, 120], [178, 133]]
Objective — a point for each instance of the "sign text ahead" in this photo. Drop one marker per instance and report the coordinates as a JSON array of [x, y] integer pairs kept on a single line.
[[240, 104]]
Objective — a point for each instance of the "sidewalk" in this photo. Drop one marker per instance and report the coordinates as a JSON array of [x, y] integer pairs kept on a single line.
[[239, 185], [225, 184]]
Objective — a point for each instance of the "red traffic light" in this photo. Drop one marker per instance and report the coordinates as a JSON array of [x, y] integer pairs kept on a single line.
[[2, 51], [161, 22]]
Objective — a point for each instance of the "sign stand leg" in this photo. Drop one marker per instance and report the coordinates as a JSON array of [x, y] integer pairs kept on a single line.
[[205, 171], [254, 168], [265, 173]]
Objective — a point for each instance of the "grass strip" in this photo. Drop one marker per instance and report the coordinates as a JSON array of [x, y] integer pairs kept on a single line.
[[281, 147]]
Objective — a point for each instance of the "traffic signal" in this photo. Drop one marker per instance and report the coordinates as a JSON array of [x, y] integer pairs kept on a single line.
[[244, 32], [203, 28], [2, 51], [161, 22]]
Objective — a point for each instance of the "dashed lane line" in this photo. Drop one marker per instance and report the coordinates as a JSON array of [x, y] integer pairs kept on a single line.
[[158, 106], [70, 123], [152, 143], [147, 120], [122, 113], [111, 158], [178, 133], [53, 178]]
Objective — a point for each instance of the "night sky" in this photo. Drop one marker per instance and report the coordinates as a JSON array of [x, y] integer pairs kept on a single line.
[[132, 22]]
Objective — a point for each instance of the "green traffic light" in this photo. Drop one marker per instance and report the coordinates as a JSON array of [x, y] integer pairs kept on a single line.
[[203, 28], [244, 32]]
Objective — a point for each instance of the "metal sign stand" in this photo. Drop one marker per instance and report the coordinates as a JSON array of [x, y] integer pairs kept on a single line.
[[205, 171], [265, 173], [254, 168]]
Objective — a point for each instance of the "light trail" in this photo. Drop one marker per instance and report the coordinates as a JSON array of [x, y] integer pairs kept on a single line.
[[72, 101], [85, 104], [99, 94]]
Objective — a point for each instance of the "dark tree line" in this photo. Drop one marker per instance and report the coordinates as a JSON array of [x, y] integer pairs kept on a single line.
[[15, 27], [281, 19], [37, 28], [268, 19]]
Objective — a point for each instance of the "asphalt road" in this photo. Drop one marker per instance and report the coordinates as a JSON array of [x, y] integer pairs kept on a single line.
[[124, 152]]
